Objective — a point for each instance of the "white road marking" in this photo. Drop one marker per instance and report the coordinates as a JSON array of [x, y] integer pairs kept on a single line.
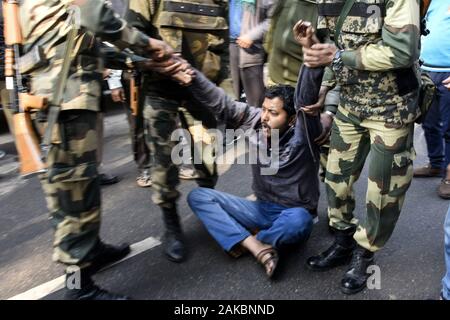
[[54, 285]]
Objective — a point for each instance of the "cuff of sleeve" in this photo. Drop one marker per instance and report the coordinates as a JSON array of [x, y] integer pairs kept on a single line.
[[114, 83], [329, 79], [135, 38], [350, 59], [330, 108]]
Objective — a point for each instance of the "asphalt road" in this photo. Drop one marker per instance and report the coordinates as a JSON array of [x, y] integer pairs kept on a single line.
[[411, 264]]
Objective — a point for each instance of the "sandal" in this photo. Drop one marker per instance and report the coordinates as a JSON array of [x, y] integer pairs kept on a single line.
[[237, 251], [269, 264], [144, 180]]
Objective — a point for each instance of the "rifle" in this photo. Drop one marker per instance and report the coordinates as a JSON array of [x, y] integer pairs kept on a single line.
[[26, 139], [135, 84]]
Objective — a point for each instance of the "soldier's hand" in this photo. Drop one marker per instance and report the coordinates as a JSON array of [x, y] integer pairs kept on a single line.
[[176, 68], [244, 42], [319, 55], [327, 123], [316, 108], [446, 83], [118, 95], [159, 50]]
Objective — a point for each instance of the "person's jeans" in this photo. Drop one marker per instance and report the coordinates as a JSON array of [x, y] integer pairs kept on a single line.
[[446, 279], [230, 219], [437, 124]]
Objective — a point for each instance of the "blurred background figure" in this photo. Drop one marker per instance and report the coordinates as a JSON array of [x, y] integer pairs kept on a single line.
[[249, 22], [4, 98], [119, 84], [436, 61]]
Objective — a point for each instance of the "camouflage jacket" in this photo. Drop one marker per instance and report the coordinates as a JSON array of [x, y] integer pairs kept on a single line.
[[200, 38], [285, 54], [44, 24], [381, 43]]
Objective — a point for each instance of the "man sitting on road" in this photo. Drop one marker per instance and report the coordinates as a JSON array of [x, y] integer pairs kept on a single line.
[[286, 199]]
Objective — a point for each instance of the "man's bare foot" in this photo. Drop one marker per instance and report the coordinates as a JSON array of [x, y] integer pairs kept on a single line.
[[265, 254]]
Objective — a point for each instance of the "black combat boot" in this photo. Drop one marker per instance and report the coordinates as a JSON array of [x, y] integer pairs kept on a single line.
[[79, 286], [355, 278], [338, 254], [106, 254], [174, 246]]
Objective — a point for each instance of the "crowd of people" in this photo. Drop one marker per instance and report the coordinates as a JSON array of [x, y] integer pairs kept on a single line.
[[344, 87]]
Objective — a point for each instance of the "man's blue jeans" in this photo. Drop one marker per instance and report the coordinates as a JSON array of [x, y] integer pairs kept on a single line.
[[230, 219], [446, 280], [437, 124]]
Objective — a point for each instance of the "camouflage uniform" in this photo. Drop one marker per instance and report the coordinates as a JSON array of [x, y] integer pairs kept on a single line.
[[376, 113], [71, 184], [201, 40]]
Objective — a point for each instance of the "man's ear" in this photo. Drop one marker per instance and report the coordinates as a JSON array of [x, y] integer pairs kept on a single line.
[[292, 120]]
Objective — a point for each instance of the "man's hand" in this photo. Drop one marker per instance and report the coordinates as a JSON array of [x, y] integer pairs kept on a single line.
[[159, 50], [327, 123], [166, 67], [319, 55], [118, 95], [446, 83], [175, 67], [106, 73], [316, 108], [304, 34], [244, 42]]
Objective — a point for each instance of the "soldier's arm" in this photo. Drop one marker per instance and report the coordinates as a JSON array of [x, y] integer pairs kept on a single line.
[[98, 17], [235, 114], [139, 15], [399, 46]]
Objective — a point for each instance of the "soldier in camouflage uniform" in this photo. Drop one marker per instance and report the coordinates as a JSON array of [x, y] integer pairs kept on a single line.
[[71, 184], [197, 29], [375, 67]]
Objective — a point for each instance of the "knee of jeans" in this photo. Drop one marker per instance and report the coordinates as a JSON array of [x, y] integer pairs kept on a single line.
[[299, 225], [198, 195], [447, 231]]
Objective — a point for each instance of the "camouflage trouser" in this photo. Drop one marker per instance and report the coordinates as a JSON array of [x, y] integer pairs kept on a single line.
[[160, 122], [331, 104], [72, 188], [141, 152], [390, 174], [4, 101]]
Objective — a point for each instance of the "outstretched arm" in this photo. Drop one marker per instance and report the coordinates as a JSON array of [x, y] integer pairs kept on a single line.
[[236, 114]]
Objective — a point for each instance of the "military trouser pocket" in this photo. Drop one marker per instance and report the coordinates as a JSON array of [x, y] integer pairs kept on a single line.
[[74, 157], [390, 169], [404, 158], [401, 172]]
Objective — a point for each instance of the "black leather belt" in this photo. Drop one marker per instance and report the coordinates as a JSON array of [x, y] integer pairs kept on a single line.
[[359, 9], [200, 9]]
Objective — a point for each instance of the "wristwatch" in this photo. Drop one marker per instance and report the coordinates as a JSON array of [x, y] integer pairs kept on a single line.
[[337, 63]]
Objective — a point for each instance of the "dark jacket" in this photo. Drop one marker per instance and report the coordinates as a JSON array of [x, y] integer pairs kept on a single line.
[[296, 183]]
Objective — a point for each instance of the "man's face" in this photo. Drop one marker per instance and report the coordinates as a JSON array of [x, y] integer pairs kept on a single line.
[[273, 116]]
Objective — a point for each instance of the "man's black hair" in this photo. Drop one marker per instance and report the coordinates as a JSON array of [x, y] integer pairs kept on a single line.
[[285, 93]]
